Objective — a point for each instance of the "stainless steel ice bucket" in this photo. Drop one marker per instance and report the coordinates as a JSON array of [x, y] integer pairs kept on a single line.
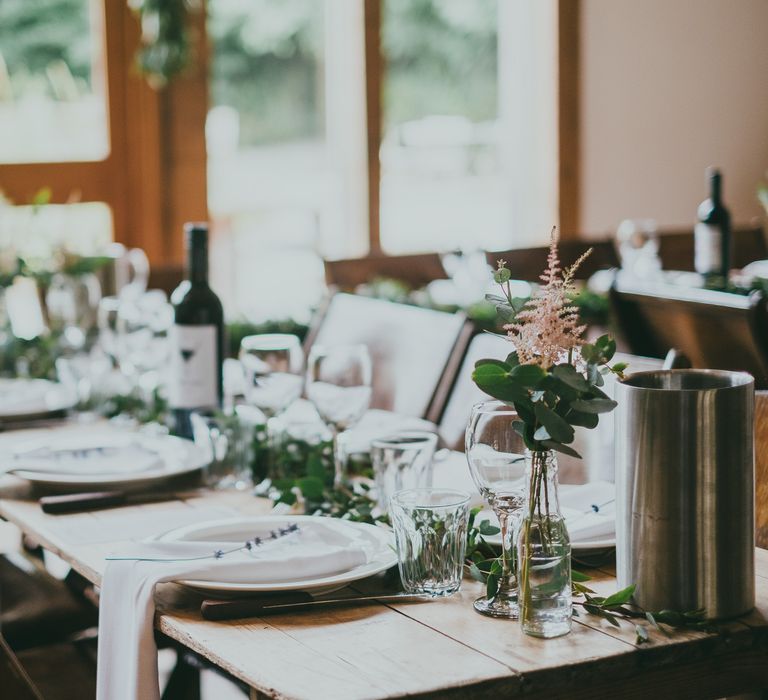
[[685, 523]]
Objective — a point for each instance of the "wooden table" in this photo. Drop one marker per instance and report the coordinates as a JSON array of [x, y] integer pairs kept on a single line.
[[439, 649]]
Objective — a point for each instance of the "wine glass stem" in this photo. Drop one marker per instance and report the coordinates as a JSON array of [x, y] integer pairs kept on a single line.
[[339, 461], [508, 582]]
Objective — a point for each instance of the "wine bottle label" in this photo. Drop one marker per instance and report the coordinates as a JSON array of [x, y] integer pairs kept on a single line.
[[194, 375], [708, 252]]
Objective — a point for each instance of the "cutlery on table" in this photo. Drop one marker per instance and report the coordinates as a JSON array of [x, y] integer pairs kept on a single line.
[[293, 602], [79, 502]]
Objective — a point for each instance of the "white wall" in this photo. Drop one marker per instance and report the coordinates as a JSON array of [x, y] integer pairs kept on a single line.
[[668, 88]]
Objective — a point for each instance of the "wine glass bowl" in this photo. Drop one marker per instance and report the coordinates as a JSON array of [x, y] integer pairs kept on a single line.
[[271, 364], [339, 383], [496, 456]]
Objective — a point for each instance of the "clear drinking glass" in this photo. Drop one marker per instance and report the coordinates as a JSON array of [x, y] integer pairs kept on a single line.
[[143, 326], [402, 461], [229, 443], [272, 365], [431, 534], [496, 457], [339, 386]]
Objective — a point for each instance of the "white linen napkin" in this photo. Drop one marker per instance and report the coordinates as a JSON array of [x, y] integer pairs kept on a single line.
[[107, 458], [127, 655], [18, 396]]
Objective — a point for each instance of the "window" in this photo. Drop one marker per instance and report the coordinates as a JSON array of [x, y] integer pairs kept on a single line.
[[441, 170], [286, 137], [52, 82]]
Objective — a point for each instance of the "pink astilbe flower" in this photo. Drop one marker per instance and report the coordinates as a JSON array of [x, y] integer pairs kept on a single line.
[[547, 330]]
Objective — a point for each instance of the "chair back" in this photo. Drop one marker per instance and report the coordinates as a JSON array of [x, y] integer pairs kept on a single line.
[[14, 681], [715, 330], [414, 270], [415, 351]]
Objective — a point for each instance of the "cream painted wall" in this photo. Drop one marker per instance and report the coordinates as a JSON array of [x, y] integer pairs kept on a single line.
[[668, 88]]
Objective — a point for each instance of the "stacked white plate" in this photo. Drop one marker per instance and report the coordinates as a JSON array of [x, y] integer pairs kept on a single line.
[[30, 399], [83, 459]]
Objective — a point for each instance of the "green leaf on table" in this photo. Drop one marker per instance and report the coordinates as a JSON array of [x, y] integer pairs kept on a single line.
[[641, 635], [559, 447], [315, 467], [556, 426], [619, 367], [568, 374], [528, 376], [579, 576], [594, 405], [620, 597], [311, 487], [585, 420]]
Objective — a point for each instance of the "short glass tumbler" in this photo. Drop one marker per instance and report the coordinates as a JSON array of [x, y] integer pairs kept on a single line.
[[229, 443], [402, 461], [431, 535]]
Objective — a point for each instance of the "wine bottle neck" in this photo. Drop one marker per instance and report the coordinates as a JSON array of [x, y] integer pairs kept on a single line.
[[715, 188], [197, 264]]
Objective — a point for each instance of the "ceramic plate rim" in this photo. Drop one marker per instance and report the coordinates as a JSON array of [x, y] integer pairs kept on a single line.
[[65, 400], [195, 458], [377, 566]]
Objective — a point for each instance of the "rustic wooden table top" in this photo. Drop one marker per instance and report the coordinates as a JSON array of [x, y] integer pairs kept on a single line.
[[436, 649]]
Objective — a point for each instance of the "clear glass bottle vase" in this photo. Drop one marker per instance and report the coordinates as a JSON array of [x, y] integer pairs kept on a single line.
[[544, 553]]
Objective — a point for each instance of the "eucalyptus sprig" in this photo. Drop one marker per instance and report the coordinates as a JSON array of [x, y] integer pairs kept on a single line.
[[618, 607], [553, 377]]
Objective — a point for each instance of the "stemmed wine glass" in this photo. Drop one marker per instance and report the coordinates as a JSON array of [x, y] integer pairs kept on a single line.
[[339, 386], [272, 364], [496, 457]]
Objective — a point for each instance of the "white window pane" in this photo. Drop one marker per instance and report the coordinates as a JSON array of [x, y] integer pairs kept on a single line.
[[52, 96], [278, 173], [442, 185]]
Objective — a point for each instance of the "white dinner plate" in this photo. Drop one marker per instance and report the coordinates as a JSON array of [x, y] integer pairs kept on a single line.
[[28, 399], [377, 542], [155, 457]]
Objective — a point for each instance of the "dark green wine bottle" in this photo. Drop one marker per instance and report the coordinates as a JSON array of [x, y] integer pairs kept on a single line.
[[197, 337]]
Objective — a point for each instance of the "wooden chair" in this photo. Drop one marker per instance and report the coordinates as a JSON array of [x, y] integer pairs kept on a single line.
[[415, 351], [415, 270], [676, 248], [14, 680], [527, 263], [715, 330]]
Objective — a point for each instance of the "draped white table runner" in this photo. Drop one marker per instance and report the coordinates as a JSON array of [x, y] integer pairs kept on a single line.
[[127, 656]]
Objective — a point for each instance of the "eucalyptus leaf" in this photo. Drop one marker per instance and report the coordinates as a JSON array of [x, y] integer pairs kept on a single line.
[[580, 576], [556, 426], [620, 597], [512, 359], [585, 420], [476, 574], [493, 378], [568, 374], [559, 447], [594, 405], [528, 375]]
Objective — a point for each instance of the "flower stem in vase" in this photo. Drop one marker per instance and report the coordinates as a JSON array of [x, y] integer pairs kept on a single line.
[[544, 554]]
